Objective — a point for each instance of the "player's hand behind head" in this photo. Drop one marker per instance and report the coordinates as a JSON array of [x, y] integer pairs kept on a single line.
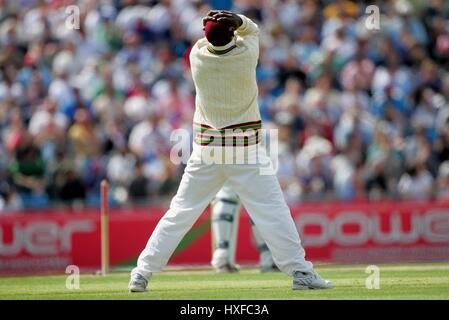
[[210, 16], [225, 16]]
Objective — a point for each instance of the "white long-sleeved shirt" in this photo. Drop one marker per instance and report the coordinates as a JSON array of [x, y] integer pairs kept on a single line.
[[226, 87]]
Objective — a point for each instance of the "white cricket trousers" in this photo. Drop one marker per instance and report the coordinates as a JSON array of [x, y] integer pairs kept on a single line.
[[260, 194]]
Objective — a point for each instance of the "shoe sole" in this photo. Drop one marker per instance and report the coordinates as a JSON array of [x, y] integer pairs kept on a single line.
[[308, 288], [301, 288], [304, 287], [136, 290]]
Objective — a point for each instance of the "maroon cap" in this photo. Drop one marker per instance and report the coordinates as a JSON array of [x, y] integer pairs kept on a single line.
[[218, 33]]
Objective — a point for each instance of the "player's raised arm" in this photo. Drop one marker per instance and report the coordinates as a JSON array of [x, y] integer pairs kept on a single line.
[[249, 32], [248, 28]]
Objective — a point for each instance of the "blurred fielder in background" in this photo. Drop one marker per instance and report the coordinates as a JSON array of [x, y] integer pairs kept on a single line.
[[226, 209]]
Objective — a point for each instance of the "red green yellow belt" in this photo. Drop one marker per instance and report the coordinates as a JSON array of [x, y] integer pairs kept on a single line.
[[242, 134]]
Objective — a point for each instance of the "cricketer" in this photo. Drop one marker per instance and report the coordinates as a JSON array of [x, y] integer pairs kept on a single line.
[[223, 66]]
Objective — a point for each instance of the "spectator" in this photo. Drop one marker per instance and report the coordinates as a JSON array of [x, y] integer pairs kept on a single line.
[[82, 135], [10, 201], [384, 164], [28, 168], [139, 190], [72, 190], [442, 190], [416, 183]]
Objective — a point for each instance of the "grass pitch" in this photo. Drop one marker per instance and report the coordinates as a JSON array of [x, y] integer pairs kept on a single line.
[[405, 281]]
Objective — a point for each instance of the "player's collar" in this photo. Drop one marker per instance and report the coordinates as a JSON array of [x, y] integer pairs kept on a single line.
[[219, 50]]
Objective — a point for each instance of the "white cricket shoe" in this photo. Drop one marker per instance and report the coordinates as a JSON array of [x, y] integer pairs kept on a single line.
[[309, 280], [138, 283]]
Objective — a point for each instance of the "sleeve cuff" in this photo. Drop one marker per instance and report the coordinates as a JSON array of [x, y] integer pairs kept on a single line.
[[244, 22]]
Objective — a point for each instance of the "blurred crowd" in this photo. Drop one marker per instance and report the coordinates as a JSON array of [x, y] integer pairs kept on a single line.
[[362, 113]]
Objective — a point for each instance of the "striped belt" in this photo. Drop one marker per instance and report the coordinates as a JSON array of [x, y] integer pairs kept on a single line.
[[242, 134]]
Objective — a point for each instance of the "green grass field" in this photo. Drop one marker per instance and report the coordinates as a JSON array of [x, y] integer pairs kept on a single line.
[[405, 281]]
